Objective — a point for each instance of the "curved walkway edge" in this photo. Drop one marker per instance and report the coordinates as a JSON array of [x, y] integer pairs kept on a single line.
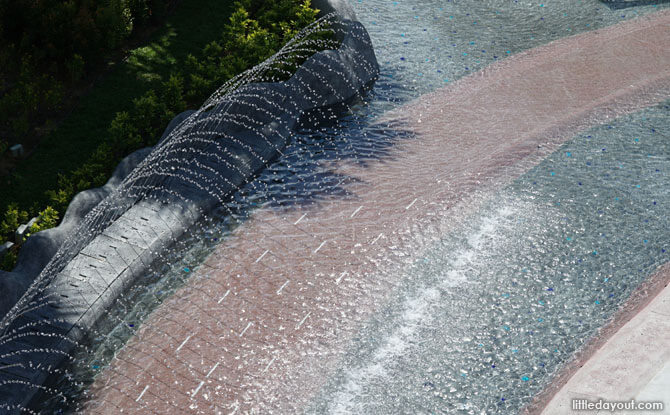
[[630, 359]]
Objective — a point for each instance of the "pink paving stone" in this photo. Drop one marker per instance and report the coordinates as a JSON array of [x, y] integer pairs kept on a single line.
[[471, 138]]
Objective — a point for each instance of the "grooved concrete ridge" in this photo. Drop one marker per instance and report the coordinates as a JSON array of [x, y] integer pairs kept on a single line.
[[87, 287], [271, 311]]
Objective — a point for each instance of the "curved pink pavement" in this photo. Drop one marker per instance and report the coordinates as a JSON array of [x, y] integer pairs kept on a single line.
[[264, 321]]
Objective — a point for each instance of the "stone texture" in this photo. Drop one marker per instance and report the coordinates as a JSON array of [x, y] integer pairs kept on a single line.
[[38, 249]]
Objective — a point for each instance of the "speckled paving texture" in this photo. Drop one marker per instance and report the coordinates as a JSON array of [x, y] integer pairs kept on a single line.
[[633, 364]]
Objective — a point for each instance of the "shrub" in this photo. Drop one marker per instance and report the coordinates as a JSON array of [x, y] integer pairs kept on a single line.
[[246, 42], [172, 94], [49, 44], [115, 22], [149, 115], [123, 134], [20, 124], [75, 67], [12, 219], [61, 197], [47, 219]]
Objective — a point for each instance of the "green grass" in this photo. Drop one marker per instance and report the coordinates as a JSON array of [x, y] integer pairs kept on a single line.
[[194, 24]]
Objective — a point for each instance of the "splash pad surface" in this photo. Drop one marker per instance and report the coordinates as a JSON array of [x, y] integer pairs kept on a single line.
[[436, 275], [447, 244]]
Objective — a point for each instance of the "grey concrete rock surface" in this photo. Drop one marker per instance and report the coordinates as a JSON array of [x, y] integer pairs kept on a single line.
[[38, 249]]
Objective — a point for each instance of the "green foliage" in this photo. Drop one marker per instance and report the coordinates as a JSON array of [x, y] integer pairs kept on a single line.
[[128, 131], [93, 173], [148, 113], [56, 30], [48, 44], [123, 134], [115, 19], [172, 94], [246, 42], [61, 197], [12, 219], [256, 30], [47, 219], [30, 94]]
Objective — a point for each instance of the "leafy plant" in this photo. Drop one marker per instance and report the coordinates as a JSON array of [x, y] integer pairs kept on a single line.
[[173, 94], [49, 44], [48, 218], [12, 219]]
